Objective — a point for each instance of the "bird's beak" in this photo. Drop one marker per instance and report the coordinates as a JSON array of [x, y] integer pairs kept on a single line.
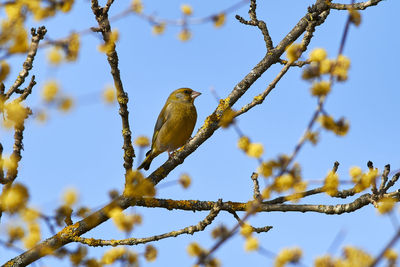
[[195, 94]]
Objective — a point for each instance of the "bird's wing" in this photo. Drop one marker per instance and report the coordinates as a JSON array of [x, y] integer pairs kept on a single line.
[[162, 118]]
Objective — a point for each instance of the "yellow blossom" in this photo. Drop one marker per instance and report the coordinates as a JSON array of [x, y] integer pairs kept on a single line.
[[246, 230], [293, 52], [138, 186], [33, 236], [341, 127], [109, 94], [14, 198], [113, 254], [284, 182], [244, 143], [251, 244], [132, 257], [41, 116], [20, 44], [77, 256], [325, 66], [227, 118], [321, 88], [70, 197], [255, 150], [66, 104], [327, 122], [15, 113], [137, 6], [324, 261], [185, 180], [50, 90], [341, 68], [391, 255], [331, 183], [15, 232], [386, 205], [356, 257], [150, 253], [266, 193], [355, 174], [4, 70], [66, 5], [194, 249], [265, 169], [355, 16], [73, 47], [318, 54], [219, 232], [123, 222], [10, 163], [109, 45], [142, 141], [29, 215], [158, 28], [184, 35], [54, 56], [186, 10], [219, 20], [288, 255], [312, 137]]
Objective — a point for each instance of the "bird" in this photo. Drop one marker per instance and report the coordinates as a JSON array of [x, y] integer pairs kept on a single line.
[[174, 125]]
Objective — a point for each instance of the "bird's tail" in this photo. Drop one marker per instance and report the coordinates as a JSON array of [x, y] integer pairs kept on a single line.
[[147, 161]]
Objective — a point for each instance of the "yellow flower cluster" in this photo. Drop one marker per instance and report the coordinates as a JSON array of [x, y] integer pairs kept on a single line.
[[362, 180], [54, 56], [137, 6], [15, 232], [219, 232], [351, 257], [227, 118], [109, 45], [386, 205], [14, 112], [184, 35], [331, 183], [254, 150], [312, 137], [114, 254], [185, 180], [4, 70], [219, 20], [138, 186], [321, 65], [321, 88], [293, 52], [339, 127], [251, 243], [123, 222], [14, 198], [355, 16], [194, 249], [288, 255], [77, 256], [109, 94], [142, 141], [72, 47], [150, 253], [159, 28], [186, 10], [70, 197], [50, 91]]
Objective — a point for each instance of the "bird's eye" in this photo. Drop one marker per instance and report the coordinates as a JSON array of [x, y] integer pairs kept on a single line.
[[187, 92]]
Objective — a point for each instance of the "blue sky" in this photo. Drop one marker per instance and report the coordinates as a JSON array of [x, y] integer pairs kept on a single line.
[[82, 149]]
